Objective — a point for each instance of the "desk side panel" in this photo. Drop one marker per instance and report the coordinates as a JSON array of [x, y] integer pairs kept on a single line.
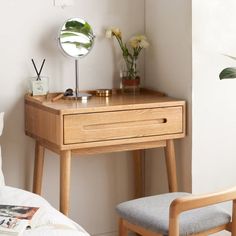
[[43, 125]]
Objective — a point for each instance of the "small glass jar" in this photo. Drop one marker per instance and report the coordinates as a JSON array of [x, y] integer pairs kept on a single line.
[[39, 85]]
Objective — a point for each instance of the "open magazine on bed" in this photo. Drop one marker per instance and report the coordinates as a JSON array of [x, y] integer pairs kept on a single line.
[[15, 219]]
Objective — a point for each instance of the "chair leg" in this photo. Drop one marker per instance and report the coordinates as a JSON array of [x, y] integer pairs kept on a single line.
[[233, 225], [123, 231]]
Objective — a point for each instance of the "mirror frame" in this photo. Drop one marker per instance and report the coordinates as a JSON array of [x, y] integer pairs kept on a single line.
[[92, 39]]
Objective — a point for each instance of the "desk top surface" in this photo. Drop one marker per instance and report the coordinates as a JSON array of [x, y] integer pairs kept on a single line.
[[117, 101]]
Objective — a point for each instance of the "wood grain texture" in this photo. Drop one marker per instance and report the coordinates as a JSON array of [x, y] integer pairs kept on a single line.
[[65, 167], [195, 201], [117, 102], [123, 231], [104, 149], [171, 166], [122, 124], [120, 148], [233, 225], [137, 229], [187, 203], [139, 173], [42, 124], [38, 168], [121, 142], [118, 123]]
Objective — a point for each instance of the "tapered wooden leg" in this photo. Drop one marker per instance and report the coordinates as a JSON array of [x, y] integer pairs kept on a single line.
[[122, 229], [233, 225], [65, 168], [171, 166], [38, 168], [139, 173]]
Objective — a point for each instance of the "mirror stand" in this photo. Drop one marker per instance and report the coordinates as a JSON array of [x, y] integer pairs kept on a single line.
[[76, 40], [78, 95]]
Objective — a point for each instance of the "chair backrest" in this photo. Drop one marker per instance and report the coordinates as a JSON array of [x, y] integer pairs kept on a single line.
[[2, 182], [177, 214], [183, 204]]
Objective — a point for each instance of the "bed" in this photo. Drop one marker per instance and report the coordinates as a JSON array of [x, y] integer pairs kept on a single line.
[[47, 220]]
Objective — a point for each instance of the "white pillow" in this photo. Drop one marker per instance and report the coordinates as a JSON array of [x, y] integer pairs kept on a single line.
[[2, 182]]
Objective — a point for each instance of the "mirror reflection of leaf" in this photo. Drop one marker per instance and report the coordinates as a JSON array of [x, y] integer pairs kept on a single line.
[[76, 38], [79, 27], [79, 44], [67, 34]]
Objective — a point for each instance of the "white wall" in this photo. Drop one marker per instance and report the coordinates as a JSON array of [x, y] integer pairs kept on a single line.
[[28, 30], [214, 110], [168, 69]]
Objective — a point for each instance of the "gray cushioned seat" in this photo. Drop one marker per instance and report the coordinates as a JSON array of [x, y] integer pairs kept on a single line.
[[153, 213]]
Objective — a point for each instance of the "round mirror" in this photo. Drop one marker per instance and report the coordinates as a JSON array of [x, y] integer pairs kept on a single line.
[[76, 38]]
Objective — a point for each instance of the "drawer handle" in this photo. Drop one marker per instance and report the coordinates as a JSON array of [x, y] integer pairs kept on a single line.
[[125, 124]]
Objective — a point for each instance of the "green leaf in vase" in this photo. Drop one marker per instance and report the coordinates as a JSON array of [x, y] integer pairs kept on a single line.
[[228, 73]]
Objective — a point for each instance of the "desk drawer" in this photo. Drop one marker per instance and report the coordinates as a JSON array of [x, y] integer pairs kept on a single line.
[[103, 126]]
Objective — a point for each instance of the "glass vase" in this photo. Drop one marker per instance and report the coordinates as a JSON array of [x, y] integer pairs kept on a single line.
[[130, 80], [130, 85]]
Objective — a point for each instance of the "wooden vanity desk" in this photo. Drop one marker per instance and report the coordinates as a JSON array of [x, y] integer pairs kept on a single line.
[[102, 125]]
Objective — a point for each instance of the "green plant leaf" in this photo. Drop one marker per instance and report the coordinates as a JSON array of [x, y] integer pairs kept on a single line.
[[228, 73]]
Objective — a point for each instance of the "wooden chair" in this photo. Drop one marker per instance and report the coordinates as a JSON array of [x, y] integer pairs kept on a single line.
[[177, 214]]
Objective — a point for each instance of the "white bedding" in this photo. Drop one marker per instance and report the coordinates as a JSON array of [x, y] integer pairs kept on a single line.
[[2, 182], [47, 221]]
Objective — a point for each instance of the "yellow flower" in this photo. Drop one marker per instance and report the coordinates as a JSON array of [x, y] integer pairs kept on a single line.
[[116, 32], [139, 41], [113, 32], [108, 33], [130, 55]]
